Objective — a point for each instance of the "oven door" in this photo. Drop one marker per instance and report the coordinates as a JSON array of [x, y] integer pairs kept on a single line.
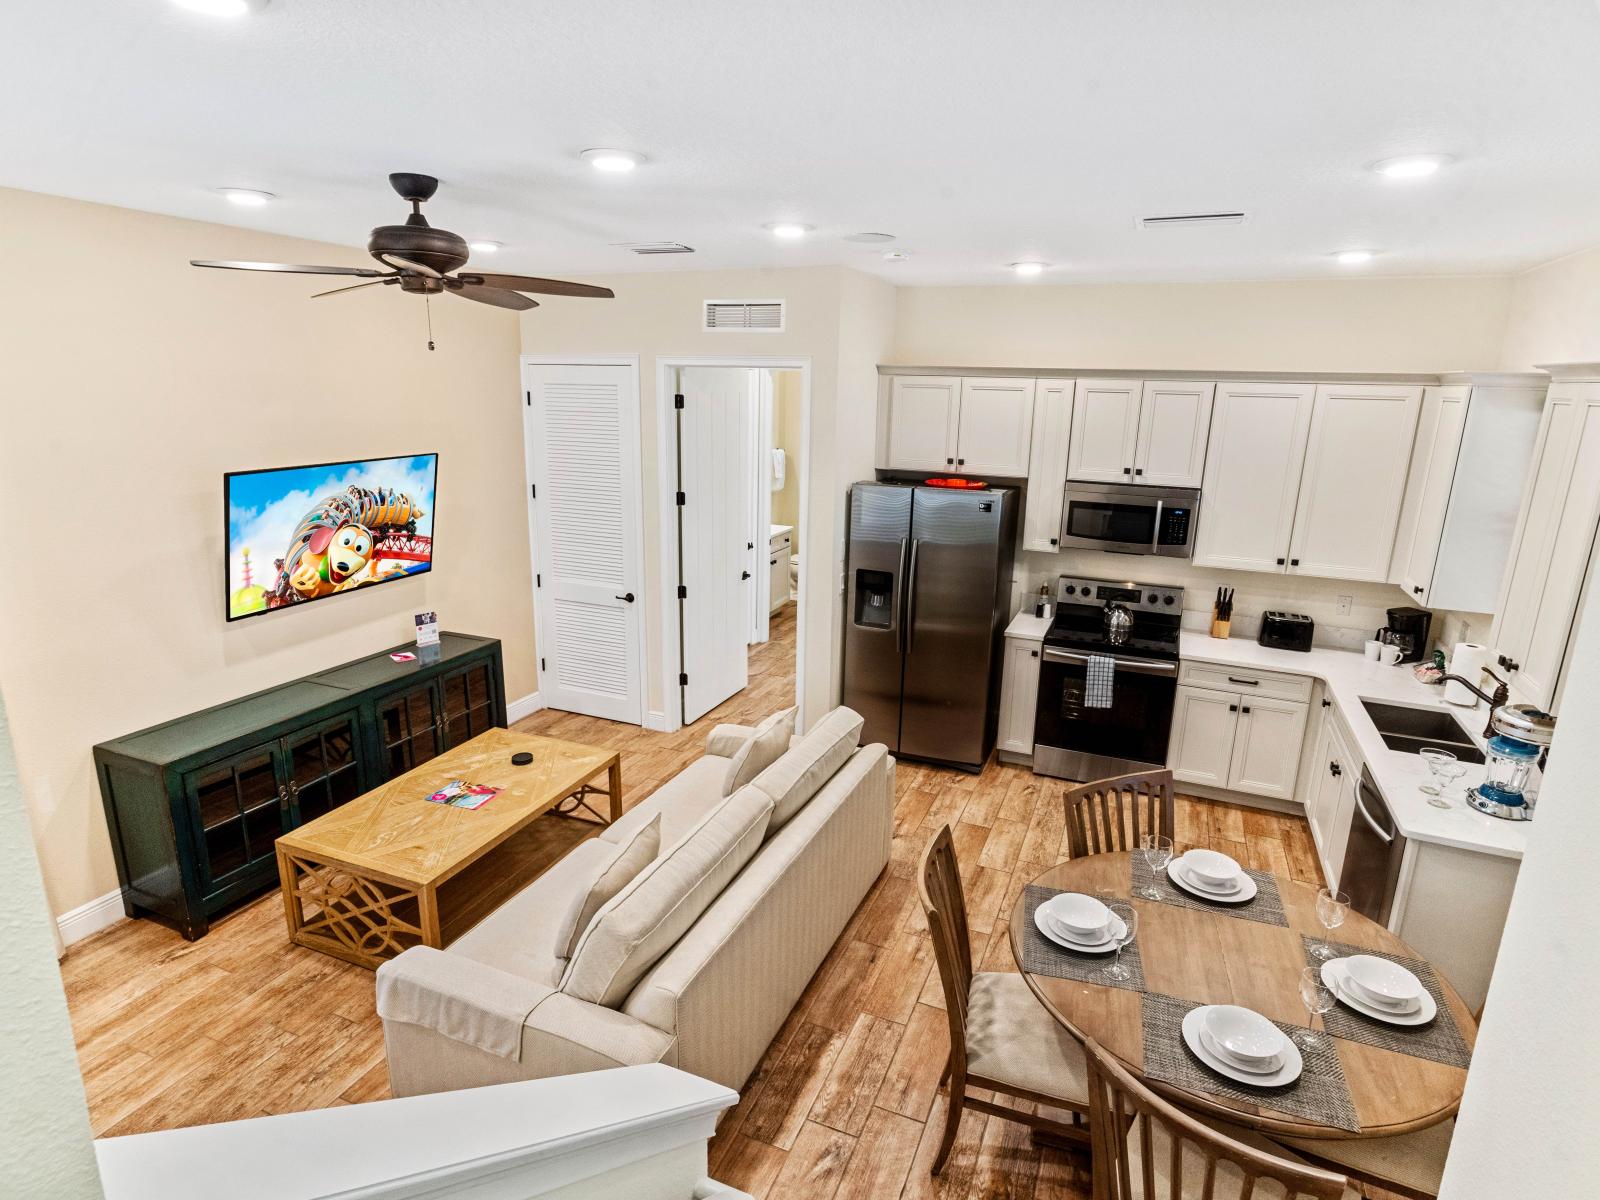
[[1129, 520], [1073, 741]]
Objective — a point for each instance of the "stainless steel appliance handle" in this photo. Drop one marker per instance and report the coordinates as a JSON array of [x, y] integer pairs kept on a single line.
[[1367, 817], [900, 580], [1136, 666], [1155, 533], [911, 595]]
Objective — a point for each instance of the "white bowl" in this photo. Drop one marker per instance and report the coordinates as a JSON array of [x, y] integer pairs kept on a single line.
[[1382, 981], [1247, 1036], [1080, 915], [1229, 888], [1208, 866]]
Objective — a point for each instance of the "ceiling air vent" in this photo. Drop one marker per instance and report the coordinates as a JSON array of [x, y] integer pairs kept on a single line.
[[656, 247], [744, 316], [1213, 218]]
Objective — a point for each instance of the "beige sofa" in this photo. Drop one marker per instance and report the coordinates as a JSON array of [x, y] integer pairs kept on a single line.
[[498, 1004]]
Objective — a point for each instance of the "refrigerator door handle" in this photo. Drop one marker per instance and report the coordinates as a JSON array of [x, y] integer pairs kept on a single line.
[[911, 595], [900, 581]]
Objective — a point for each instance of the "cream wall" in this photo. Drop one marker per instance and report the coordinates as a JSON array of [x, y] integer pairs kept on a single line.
[[1554, 313], [787, 432], [133, 381], [1426, 324]]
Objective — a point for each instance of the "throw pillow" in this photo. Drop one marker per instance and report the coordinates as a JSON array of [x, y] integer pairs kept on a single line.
[[632, 857], [760, 752], [799, 775]]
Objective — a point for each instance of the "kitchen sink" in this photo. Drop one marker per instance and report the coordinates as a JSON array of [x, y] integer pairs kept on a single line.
[[1409, 730]]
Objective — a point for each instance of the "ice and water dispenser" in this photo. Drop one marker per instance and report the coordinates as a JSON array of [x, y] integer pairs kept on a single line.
[[874, 599]]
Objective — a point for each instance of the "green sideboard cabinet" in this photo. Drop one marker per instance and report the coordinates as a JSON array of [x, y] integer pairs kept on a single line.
[[195, 804]]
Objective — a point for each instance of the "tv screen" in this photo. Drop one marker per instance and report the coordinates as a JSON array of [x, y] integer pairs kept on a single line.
[[297, 534]]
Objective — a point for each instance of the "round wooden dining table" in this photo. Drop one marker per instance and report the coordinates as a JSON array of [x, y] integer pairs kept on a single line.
[[1211, 957]]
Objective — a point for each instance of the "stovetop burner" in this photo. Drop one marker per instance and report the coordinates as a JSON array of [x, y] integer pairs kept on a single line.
[[1080, 623]]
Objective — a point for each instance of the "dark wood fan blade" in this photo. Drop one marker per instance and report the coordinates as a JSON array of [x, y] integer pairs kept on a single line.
[[354, 287], [544, 287], [496, 296], [289, 268]]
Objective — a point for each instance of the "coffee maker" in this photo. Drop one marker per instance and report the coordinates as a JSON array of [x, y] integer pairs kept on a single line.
[[1408, 628]]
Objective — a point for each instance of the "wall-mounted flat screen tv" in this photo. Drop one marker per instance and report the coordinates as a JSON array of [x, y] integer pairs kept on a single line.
[[297, 534]]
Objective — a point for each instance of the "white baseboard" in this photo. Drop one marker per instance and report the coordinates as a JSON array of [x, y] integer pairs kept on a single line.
[[659, 722], [524, 706], [89, 918]]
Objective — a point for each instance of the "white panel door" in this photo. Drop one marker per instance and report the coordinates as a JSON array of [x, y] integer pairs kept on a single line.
[[1105, 430], [1252, 476], [1174, 422], [994, 427], [1047, 465], [923, 412], [716, 471], [582, 445], [1267, 746], [1429, 483], [1203, 723], [1354, 480]]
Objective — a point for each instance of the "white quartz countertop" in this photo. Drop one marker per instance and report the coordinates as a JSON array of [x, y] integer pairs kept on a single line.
[[1026, 625], [1350, 678]]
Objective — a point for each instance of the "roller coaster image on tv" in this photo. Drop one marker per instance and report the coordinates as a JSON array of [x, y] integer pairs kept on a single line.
[[303, 533]]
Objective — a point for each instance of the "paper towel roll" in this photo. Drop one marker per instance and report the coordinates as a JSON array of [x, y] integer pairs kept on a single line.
[[1468, 661]]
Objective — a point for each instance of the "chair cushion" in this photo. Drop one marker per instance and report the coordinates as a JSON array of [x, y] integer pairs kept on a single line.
[[646, 919], [1229, 1182], [682, 802], [1415, 1160], [633, 856], [799, 774], [1012, 1040], [760, 751]]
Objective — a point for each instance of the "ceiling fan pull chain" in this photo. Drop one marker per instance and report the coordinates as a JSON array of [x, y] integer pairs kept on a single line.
[[427, 304]]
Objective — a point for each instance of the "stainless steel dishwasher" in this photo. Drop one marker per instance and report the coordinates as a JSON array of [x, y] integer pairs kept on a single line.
[[1373, 853]]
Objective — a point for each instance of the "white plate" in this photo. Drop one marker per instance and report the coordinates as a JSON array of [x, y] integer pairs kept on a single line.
[[1042, 922], [1333, 976], [1072, 913], [1247, 889], [1194, 1023]]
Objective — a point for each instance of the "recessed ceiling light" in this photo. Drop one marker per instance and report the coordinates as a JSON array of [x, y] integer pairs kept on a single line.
[[1411, 166], [613, 162], [246, 197], [1354, 258], [1028, 268], [788, 230], [869, 239], [222, 8], [483, 247], [896, 255]]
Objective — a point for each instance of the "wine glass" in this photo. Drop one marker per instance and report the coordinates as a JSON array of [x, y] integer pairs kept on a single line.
[[1318, 999], [1331, 908], [1447, 774], [1130, 917], [1157, 851], [1436, 758]]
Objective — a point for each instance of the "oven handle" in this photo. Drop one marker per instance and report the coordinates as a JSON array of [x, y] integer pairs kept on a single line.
[[1135, 666]]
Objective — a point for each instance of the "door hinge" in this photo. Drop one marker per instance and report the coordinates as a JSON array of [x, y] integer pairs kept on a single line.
[[677, 400], [538, 579], [682, 499], [529, 395], [541, 664], [683, 592], [533, 489], [683, 679]]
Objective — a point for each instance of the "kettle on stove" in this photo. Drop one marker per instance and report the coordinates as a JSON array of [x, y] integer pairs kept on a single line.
[[1119, 623]]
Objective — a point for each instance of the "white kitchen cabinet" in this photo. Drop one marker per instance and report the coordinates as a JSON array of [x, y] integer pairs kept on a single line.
[[1332, 798], [1019, 695], [1203, 726], [1047, 465], [1236, 733], [994, 426], [1252, 475], [1174, 423], [780, 547], [1105, 430], [923, 414], [1266, 747], [1469, 469], [1354, 480], [1554, 540]]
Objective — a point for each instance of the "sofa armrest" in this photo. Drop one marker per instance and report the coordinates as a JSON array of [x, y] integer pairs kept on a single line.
[[490, 1010], [727, 740]]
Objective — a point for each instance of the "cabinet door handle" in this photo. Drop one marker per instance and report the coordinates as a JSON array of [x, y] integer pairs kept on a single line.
[[949, 462], [283, 797], [1233, 708], [1294, 562], [1138, 470], [1035, 653], [1127, 470], [1327, 704], [1280, 562], [1416, 591], [1244, 682], [1054, 542], [961, 462], [1245, 710]]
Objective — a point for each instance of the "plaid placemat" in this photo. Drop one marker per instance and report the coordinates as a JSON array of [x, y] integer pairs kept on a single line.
[[1266, 906], [1438, 1041], [1041, 956], [1320, 1094]]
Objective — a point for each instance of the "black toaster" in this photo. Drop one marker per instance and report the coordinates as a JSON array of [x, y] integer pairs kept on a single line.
[[1286, 631]]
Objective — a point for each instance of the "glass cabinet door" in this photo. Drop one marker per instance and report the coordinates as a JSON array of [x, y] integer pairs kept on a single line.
[[323, 769], [240, 810], [409, 725], [468, 703]]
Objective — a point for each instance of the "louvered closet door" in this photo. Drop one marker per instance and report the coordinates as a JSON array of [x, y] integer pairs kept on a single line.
[[583, 462]]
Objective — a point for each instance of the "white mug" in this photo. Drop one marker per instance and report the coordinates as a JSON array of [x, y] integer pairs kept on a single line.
[[1370, 648], [1388, 655]]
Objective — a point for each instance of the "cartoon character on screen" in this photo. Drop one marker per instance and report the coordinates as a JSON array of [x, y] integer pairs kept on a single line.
[[337, 545]]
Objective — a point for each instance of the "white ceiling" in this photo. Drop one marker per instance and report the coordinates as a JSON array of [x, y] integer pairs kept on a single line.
[[980, 133]]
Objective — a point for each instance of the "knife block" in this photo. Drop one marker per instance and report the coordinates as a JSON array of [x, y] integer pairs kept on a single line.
[[1219, 627]]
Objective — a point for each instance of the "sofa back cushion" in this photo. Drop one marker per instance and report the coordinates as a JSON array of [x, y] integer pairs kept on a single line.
[[799, 774], [760, 750], [643, 921], [616, 873]]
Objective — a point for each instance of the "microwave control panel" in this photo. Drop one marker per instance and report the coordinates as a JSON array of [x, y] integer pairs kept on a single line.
[[1174, 529]]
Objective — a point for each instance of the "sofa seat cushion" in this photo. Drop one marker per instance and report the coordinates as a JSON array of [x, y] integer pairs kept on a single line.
[[759, 751], [630, 858], [1012, 1039], [519, 937], [682, 802], [647, 917], [801, 772]]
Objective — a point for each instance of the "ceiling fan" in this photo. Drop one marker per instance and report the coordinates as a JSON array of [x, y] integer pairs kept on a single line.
[[421, 258]]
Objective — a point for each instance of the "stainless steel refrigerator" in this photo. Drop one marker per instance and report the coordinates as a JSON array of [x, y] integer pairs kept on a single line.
[[927, 597]]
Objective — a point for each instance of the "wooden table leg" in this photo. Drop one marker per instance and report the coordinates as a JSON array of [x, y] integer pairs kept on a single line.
[[614, 781], [292, 910], [428, 913]]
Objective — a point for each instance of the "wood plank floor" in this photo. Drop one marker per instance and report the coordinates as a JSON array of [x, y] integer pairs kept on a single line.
[[844, 1104]]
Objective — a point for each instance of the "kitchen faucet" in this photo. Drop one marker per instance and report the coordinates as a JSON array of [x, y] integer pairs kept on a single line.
[[1502, 693]]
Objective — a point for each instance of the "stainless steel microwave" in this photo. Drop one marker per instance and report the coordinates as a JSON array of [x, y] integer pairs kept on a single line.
[[1130, 520]]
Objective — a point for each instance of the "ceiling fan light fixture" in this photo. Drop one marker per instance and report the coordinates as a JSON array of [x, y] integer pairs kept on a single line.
[[612, 162], [222, 8], [483, 247], [246, 197]]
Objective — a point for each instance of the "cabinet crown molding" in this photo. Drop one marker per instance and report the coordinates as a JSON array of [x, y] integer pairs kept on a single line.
[[1583, 371], [1157, 373]]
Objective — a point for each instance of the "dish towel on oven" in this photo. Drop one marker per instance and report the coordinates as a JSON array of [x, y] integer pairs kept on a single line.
[[1097, 684]]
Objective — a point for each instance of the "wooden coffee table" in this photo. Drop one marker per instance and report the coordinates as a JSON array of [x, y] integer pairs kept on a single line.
[[362, 882]]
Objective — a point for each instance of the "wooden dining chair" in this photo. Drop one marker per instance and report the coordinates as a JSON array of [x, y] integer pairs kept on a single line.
[[1110, 815], [1146, 1149], [1001, 1037]]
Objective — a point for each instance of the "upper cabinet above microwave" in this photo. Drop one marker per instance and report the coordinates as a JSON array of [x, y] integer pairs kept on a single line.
[[948, 425], [1148, 431]]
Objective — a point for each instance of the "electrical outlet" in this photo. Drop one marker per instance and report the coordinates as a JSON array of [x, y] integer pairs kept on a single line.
[[1343, 606]]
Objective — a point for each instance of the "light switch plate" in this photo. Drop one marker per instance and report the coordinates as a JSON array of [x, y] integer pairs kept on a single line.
[[1343, 606]]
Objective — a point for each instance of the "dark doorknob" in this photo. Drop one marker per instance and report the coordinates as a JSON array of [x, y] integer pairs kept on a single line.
[[628, 597], [744, 574]]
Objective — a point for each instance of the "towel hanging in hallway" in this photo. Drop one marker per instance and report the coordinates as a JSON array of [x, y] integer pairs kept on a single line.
[[779, 469]]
